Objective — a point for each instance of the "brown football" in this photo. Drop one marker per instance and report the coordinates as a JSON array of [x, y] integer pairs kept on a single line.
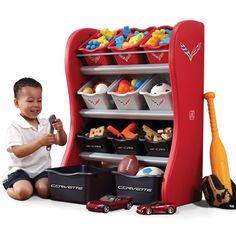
[[129, 165]]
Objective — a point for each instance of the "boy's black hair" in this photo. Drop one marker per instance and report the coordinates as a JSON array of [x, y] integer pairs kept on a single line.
[[23, 83]]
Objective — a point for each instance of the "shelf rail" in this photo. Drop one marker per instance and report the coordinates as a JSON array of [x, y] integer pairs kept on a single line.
[[119, 53], [127, 114], [125, 69], [116, 158]]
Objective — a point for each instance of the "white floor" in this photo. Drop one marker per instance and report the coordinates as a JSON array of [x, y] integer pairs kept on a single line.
[[46, 217]]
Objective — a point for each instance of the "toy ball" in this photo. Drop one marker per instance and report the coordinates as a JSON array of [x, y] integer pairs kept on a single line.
[[160, 88], [133, 82], [138, 84], [150, 170], [124, 81], [87, 90], [129, 165], [101, 87], [123, 88]]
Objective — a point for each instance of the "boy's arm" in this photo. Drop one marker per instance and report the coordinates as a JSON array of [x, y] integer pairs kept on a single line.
[[61, 137], [27, 149]]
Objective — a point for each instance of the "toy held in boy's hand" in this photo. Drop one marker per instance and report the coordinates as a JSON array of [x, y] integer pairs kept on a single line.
[[51, 119], [129, 165]]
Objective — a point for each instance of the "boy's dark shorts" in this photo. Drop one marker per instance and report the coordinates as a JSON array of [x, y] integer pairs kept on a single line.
[[22, 175]]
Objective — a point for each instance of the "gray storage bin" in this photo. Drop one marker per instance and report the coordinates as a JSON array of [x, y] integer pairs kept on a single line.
[[96, 100], [127, 101], [161, 101]]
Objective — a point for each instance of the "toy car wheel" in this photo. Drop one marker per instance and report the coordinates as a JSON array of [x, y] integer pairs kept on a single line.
[[128, 206], [106, 209], [171, 210], [149, 211]]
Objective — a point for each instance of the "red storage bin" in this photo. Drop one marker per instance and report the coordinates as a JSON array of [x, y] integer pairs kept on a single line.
[[96, 60], [124, 59], [156, 57]]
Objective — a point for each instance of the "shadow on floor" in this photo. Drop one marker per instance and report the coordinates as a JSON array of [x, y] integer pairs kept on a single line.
[[202, 203]]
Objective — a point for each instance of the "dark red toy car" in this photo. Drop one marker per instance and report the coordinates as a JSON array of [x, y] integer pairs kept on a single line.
[[156, 208], [110, 202]]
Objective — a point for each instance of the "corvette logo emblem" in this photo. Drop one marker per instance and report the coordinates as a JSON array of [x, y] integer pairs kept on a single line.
[[192, 53], [158, 56], [124, 102], [94, 101], [158, 102], [125, 58], [94, 59]]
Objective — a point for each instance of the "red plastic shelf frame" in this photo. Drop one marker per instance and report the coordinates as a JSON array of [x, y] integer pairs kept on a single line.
[[183, 174]]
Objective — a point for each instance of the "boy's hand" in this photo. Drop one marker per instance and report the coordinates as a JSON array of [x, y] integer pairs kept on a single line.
[[57, 125], [47, 139], [61, 136]]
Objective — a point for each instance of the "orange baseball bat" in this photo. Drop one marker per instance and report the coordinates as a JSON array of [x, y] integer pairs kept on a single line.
[[218, 156]]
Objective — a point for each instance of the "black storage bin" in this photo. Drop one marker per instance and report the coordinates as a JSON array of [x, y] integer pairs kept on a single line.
[[144, 189], [126, 146], [80, 184], [156, 148], [123, 145], [95, 144]]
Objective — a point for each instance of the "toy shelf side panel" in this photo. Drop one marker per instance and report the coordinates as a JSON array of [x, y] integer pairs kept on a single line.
[[74, 81], [183, 175]]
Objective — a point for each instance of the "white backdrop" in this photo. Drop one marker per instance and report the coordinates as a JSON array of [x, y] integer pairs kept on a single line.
[[32, 43]]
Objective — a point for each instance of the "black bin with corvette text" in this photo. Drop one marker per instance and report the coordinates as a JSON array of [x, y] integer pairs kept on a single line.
[[144, 189], [80, 184]]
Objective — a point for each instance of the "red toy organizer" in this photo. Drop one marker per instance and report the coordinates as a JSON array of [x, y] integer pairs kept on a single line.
[[183, 174]]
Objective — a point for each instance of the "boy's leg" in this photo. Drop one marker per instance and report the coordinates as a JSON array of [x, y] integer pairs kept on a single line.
[[41, 187], [21, 190], [18, 185]]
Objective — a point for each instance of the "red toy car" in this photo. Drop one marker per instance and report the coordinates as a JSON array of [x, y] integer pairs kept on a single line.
[[110, 202], [156, 208]]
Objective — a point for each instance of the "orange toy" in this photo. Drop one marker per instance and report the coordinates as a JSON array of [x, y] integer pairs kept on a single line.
[[114, 131], [127, 132], [218, 156]]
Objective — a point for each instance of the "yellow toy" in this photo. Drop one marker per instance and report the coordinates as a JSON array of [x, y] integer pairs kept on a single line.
[[218, 156], [157, 36]]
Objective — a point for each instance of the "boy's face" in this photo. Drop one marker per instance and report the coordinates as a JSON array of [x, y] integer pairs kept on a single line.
[[29, 101]]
